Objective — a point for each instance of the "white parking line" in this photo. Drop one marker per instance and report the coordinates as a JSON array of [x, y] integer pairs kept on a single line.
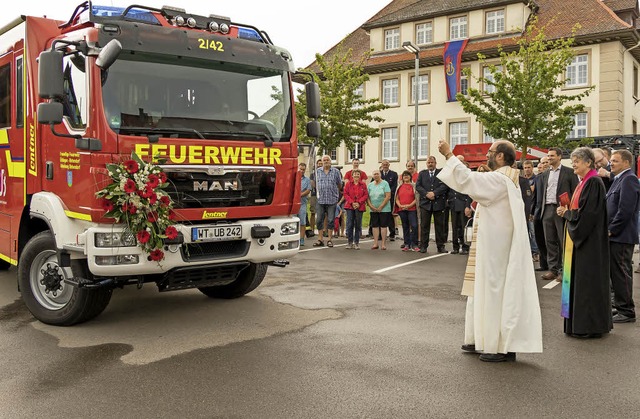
[[379, 271], [551, 285]]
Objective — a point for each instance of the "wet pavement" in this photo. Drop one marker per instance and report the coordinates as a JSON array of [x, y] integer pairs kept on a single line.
[[338, 333]]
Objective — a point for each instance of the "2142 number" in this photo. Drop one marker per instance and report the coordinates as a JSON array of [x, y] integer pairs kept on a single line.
[[210, 44]]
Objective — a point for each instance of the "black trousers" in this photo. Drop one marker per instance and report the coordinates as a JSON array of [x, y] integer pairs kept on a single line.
[[542, 246], [621, 271], [458, 223], [554, 237], [392, 221], [425, 227]]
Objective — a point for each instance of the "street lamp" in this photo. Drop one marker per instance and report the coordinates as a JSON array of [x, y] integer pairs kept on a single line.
[[411, 47]]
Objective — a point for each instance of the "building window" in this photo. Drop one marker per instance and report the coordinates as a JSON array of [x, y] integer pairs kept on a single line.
[[423, 89], [423, 141], [458, 28], [495, 21], [459, 133], [390, 143], [357, 152], [578, 71], [464, 84], [424, 33], [579, 129], [486, 138], [392, 39], [488, 76], [358, 93], [390, 92]]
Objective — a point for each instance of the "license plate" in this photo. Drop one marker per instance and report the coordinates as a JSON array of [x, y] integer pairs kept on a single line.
[[217, 233]]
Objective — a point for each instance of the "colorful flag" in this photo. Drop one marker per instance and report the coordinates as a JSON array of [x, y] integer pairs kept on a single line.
[[452, 58]]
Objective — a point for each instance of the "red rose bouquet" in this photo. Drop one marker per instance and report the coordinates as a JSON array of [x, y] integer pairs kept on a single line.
[[137, 198]]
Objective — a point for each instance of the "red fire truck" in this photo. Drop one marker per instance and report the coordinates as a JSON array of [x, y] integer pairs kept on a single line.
[[209, 100]]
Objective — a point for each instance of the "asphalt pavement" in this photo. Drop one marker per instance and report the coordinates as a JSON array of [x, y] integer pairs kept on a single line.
[[338, 334]]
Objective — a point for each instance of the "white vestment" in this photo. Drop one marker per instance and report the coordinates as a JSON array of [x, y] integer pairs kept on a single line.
[[505, 310]]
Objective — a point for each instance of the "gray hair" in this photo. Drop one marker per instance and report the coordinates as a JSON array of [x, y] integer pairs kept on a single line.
[[584, 154]]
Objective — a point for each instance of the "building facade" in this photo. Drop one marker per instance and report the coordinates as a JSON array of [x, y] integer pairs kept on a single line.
[[607, 55]]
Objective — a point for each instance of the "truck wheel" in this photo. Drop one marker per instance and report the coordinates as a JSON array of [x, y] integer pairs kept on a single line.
[[247, 281], [46, 295]]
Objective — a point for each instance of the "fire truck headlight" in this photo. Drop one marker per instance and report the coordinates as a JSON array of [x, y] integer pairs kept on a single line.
[[117, 260], [191, 22], [224, 28], [288, 229], [115, 239], [214, 26], [179, 20]]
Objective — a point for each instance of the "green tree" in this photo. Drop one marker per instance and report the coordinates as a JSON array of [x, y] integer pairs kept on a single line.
[[520, 100], [346, 116]]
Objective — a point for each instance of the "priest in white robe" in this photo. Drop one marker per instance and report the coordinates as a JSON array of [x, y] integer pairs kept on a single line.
[[503, 315]]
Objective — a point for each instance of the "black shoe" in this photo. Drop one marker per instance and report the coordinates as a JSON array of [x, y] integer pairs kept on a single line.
[[510, 356], [586, 335], [441, 250], [469, 347], [614, 311], [423, 250], [464, 252], [621, 318], [455, 251]]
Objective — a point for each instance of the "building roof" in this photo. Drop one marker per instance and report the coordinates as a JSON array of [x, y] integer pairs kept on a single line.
[[598, 23], [621, 5]]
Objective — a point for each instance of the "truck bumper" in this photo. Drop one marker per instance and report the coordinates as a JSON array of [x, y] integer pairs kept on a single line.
[[260, 241]]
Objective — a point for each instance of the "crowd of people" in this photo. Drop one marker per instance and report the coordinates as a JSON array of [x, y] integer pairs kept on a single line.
[[579, 224]]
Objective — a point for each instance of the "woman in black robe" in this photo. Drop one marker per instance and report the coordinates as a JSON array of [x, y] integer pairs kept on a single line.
[[585, 294]]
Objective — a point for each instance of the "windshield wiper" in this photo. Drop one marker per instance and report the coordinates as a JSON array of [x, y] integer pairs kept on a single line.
[[156, 130], [268, 139]]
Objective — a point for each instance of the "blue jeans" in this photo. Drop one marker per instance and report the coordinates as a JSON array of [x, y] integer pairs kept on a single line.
[[354, 225], [532, 237], [322, 211], [409, 227]]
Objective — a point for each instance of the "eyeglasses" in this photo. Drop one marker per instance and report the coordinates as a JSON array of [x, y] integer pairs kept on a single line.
[[491, 151]]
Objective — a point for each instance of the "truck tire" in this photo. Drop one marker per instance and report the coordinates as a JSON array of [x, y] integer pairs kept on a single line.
[[247, 281], [46, 295]]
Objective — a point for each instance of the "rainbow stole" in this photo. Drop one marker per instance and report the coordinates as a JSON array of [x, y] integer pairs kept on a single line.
[[568, 249]]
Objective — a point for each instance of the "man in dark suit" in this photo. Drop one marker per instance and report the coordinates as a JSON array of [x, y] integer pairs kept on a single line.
[[555, 181], [433, 200], [392, 179], [536, 211], [460, 206], [603, 166], [623, 203]]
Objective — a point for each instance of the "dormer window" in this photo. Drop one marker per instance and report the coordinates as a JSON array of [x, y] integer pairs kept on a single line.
[[392, 39], [424, 33], [458, 28], [495, 21]]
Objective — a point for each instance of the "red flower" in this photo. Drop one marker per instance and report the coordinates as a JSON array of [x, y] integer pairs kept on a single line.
[[172, 215], [171, 232], [156, 255], [163, 177], [153, 199], [165, 200], [130, 208], [130, 186], [131, 166], [154, 181], [143, 236], [152, 217], [146, 192], [107, 205]]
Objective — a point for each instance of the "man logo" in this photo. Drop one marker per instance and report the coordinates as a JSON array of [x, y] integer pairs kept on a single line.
[[215, 185]]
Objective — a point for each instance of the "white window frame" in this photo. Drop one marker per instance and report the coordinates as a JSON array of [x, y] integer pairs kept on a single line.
[[356, 153], [390, 143], [577, 72], [423, 89], [459, 133], [458, 28], [358, 92], [390, 92], [391, 39], [580, 127], [486, 74], [424, 33], [423, 141], [494, 21], [464, 80]]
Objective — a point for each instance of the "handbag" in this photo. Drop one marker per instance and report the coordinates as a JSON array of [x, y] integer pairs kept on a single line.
[[468, 231]]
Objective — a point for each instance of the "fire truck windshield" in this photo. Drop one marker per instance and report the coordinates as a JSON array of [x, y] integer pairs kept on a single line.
[[196, 99]]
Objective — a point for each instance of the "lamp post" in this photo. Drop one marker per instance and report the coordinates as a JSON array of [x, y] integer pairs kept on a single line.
[[411, 47]]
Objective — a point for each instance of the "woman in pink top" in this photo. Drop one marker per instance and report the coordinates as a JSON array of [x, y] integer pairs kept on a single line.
[[406, 208], [355, 199]]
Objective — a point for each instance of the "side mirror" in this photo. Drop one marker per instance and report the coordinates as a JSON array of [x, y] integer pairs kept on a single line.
[[109, 54], [50, 77], [50, 113], [312, 92], [313, 129]]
